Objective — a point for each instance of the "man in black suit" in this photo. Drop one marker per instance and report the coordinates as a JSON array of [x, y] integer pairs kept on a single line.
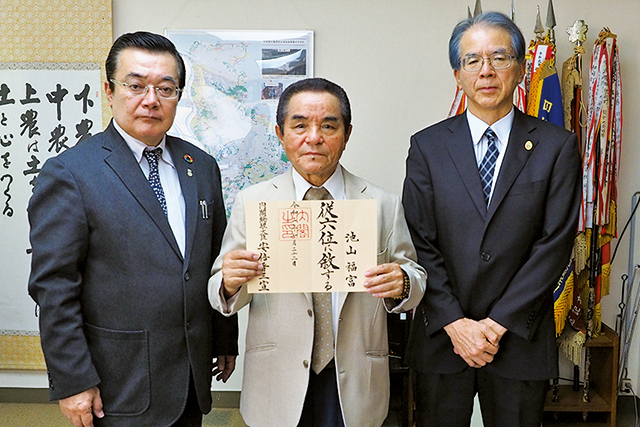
[[492, 214], [123, 242]]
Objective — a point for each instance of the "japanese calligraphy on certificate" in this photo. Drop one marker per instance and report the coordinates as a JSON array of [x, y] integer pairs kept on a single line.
[[312, 246]]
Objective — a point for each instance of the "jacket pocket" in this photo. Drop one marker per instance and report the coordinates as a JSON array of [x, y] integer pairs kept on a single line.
[[122, 361], [261, 347], [528, 188], [378, 387]]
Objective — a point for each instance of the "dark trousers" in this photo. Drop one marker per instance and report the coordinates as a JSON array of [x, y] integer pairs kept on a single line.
[[192, 415], [446, 400], [322, 404]]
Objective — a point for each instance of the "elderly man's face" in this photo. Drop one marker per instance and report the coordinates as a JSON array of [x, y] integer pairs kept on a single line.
[[489, 91], [314, 135], [146, 118]]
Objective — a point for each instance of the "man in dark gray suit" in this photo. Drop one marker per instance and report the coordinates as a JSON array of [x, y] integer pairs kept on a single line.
[[123, 237], [491, 199]]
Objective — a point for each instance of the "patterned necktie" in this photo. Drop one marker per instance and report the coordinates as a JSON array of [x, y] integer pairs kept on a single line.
[[323, 321], [154, 177], [488, 164]]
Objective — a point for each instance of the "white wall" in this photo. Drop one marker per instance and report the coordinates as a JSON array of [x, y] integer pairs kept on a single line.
[[391, 58]]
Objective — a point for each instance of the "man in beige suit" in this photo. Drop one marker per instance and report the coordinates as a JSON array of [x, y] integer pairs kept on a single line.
[[284, 385]]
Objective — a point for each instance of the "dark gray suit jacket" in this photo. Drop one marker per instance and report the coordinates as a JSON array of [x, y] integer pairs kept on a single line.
[[502, 262], [119, 306]]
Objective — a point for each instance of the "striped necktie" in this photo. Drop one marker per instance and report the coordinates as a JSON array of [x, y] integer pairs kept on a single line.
[[488, 164]]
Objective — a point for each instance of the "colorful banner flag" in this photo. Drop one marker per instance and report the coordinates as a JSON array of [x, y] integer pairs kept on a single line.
[[544, 99], [459, 103], [600, 168]]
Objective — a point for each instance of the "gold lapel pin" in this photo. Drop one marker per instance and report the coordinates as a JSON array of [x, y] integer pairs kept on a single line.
[[528, 145], [189, 172]]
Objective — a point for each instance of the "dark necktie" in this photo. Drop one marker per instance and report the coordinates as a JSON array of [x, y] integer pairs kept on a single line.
[[323, 320], [153, 156], [488, 164]]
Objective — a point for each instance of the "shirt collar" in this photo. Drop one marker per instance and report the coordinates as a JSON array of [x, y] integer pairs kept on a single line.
[[334, 185], [502, 127], [137, 147]]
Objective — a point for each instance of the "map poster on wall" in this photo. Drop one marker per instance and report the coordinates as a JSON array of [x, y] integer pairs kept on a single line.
[[234, 81], [45, 108]]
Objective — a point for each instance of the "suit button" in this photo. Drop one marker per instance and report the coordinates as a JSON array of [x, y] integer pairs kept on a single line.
[[187, 276], [425, 319], [188, 326], [305, 363], [486, 256], [310, 313]]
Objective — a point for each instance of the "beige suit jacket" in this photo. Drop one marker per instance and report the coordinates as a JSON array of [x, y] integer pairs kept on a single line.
[[280, 330]]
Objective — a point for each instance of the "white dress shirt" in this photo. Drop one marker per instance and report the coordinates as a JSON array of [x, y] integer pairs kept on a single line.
[[169, 181], [502, 129]]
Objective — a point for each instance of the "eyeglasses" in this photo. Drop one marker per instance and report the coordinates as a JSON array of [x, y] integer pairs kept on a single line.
[[163, 90], [498, 61]]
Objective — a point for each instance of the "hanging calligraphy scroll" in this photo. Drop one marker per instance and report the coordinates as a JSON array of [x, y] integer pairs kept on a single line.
[[312, 246], [45, 108], [37, 34]]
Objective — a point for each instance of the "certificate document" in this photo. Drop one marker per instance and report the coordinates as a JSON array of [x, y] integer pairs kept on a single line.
[[312, 246]]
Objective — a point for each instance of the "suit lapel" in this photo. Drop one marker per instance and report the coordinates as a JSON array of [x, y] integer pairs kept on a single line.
[[461, 151], [282, 187], [188, 183], [354, 187], [124, 164], [515, 158]]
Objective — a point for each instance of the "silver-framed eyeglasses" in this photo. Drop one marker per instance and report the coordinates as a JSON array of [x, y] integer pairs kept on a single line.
[[163, 90], [498, 61]]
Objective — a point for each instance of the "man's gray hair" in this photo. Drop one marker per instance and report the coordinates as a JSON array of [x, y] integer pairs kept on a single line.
[[489, 20]]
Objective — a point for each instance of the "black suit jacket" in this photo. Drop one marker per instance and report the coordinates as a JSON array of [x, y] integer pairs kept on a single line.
[[502, 262], [119, 306]]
